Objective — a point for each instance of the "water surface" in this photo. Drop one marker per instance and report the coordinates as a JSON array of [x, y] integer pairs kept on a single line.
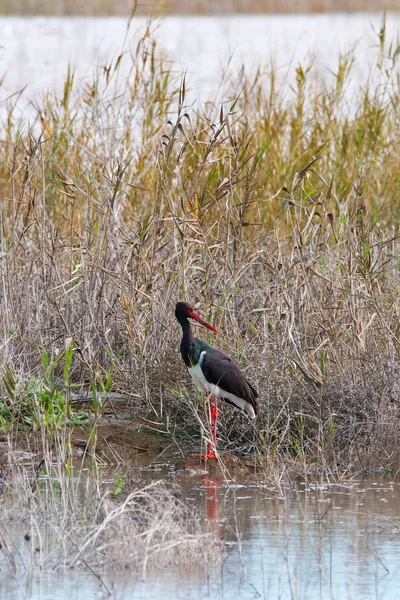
[[316, 542], [36, 51]]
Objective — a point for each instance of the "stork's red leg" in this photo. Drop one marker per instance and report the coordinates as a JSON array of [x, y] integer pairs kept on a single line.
[[212, 423], [214, 418]]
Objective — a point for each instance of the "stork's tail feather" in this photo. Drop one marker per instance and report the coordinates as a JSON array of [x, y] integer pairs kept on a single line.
[[249, 404]]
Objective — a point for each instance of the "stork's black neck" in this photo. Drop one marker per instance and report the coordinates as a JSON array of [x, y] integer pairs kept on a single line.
[[190, 349]]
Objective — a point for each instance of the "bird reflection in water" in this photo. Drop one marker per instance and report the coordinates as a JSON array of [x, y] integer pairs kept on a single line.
[[212, 504]]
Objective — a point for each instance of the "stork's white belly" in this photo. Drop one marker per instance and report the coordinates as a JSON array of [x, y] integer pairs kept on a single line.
[[205, 386]]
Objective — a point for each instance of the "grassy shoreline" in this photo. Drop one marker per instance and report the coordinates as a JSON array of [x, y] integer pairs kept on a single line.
[[202, 7], [276, 215]]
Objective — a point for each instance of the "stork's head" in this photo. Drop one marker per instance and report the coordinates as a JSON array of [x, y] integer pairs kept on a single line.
[[185, 311]]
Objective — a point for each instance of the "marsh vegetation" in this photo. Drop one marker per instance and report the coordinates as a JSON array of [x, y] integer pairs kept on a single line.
[[274, 212]]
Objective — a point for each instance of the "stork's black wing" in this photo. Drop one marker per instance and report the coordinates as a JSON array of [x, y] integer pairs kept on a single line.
[[221, 370]]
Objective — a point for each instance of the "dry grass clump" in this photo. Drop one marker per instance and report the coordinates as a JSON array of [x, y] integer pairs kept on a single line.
[[153, 528], [275, 214]]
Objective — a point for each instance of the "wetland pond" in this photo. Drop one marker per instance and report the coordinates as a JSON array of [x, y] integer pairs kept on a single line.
[[339, 540], [35, 51]]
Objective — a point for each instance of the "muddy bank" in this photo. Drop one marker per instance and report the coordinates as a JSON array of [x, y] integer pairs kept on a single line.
[[124, 442]]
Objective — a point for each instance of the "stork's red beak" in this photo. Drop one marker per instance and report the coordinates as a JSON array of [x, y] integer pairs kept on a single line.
[[197, 318]]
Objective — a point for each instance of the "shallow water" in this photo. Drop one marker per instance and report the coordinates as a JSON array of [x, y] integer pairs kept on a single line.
[[331, 541], [35, 52]]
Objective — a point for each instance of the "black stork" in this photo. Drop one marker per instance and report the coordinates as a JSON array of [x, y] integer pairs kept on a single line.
[[214, 373]]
